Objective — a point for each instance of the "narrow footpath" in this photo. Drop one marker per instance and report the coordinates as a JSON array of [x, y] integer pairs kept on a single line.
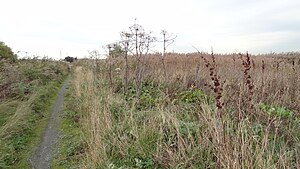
[[43, 156]]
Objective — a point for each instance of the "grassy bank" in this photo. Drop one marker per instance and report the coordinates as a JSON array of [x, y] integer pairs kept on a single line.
[[29, 88]]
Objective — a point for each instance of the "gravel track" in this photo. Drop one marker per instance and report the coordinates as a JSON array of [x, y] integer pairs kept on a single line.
[[42, 158]]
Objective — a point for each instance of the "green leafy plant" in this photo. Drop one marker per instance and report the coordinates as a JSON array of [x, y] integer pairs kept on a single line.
[[279, 111], [194, 96], [150, 94], [145, 163]]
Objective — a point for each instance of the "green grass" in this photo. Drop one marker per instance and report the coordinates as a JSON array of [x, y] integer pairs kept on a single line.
[[7, 109], [24, 137]]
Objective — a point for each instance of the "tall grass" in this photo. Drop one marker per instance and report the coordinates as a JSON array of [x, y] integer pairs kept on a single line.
[[95, 119], [175, 122]]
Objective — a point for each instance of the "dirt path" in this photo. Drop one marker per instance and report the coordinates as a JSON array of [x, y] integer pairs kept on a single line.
[[42, 158]]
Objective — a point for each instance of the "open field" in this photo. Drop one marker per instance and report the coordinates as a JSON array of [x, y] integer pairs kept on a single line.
[[150, 84], [197, 111]]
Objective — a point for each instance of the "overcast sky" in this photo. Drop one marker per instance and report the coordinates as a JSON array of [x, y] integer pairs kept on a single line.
[[73, 27]]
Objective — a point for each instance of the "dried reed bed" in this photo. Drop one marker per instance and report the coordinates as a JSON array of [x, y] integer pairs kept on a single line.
[[276, 79]]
